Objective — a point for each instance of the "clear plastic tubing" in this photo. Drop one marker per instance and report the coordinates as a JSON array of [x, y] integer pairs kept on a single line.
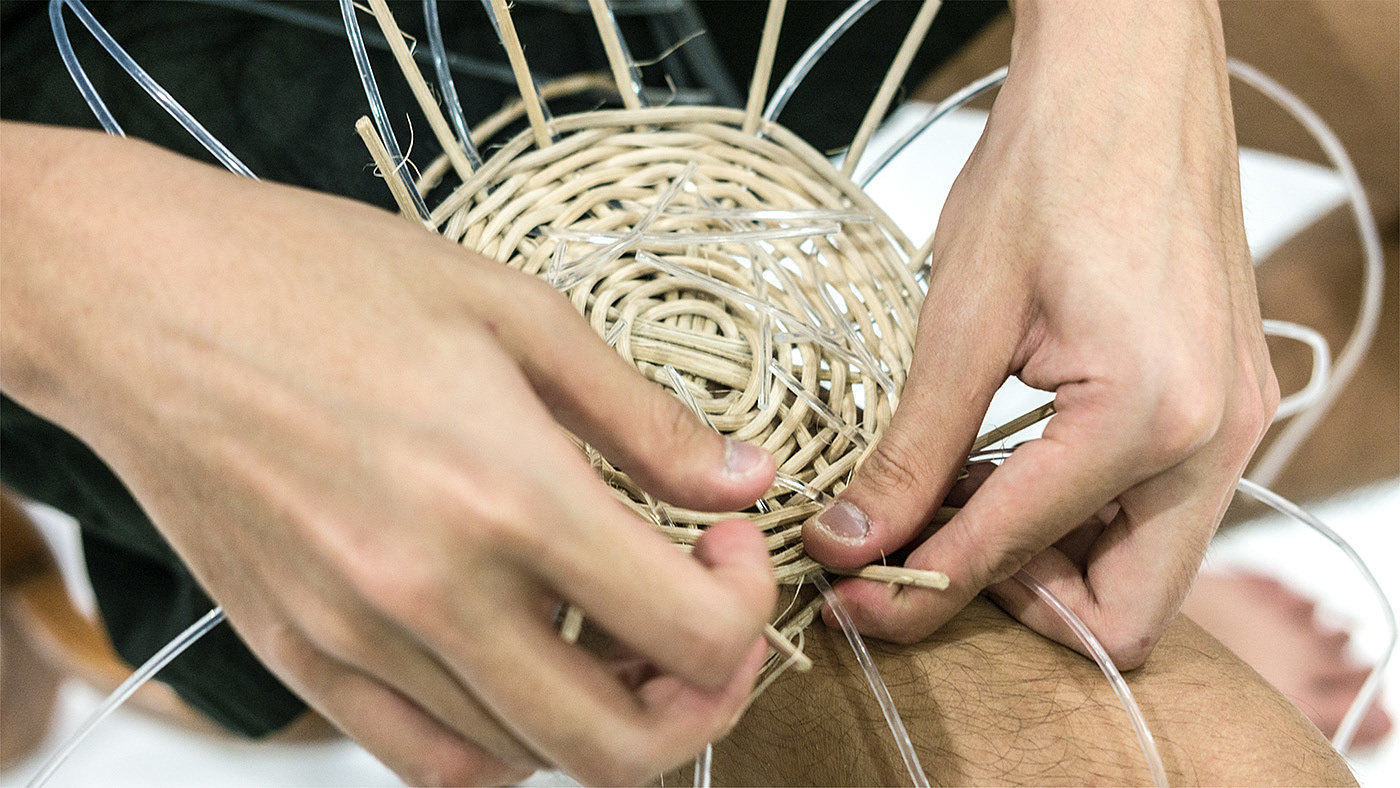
[[1347, 729], [702, 767], [803, 66], [128, 688], [1318, 380], [376, 106], [1278, 454], [1100, 656], [967, 93], [130, 66], [877, 684], [447, 87]]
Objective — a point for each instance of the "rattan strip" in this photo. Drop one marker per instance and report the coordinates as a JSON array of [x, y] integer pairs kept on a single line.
[[848, 291]]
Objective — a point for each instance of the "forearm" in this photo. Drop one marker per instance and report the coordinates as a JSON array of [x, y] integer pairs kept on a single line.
[[1121, 74], [31, 156], [69, 209]]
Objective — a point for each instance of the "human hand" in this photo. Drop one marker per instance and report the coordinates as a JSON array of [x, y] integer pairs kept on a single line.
[[1093, 246], [349, 429]]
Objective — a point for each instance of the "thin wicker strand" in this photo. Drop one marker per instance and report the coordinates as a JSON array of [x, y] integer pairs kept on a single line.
[[1014, 426], [524, 82], [763, 68], [624, 69], [382, 159], [421, 93], [876, 113]]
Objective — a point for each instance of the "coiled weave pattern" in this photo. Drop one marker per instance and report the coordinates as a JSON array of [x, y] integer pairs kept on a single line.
[[841, 300]]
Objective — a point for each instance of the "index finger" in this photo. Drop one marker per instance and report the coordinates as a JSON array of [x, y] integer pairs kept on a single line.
[[1047, 487]]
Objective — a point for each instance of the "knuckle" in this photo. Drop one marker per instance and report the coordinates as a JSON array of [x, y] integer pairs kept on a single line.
[[336, 635], [894, 467], [499, 521], [540, 298], [1265, 405], [448, 765], [1129, 647], [288, 649], [667, 439], [621, 762], [671, 422], [1184, 421], [407, 590], [714, 645]]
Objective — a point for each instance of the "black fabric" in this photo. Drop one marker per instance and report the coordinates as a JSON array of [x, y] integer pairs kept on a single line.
[[285, 99]]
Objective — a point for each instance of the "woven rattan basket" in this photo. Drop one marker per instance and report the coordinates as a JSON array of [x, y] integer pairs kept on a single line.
[[719, 253]]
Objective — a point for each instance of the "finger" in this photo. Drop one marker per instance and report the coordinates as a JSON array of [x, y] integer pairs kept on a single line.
[[1046, 488], [580, 716], [640, 426], [694, 618], [1138, 570], [377, 649], [898, 486], [579, 543], [395, 730]]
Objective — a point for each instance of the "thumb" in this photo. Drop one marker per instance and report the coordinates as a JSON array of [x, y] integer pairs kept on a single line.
[[898, 486]]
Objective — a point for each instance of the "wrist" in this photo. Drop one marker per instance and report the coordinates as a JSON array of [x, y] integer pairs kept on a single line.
[[29, 351], [70, 197], [1118, 79], [1120, 49]]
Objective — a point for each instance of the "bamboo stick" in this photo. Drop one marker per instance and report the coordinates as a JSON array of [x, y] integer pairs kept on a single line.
[[893, 77], [618, 61], [523, 81], [436, 121], [763, 68], [397, 186]]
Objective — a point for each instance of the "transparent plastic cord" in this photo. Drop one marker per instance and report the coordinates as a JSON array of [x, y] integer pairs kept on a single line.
[[147, 83], [877, 684], [966, 94], [376, 106], [1318, 380], [447, 87], [1120, 687], [702, 767], [803, 66], [143, 674], [1281, 451], [1347, 729]]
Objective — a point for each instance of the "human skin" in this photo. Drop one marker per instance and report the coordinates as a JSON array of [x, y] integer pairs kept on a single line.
[[349, 428], [317, 329], [988, 702], [1093, 246]]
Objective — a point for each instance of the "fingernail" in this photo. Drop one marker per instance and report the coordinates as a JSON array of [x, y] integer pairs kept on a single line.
[[845, 522], [741, 459]]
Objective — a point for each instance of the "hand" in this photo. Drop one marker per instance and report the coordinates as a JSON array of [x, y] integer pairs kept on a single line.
[[349, 428], [1093, 246]]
